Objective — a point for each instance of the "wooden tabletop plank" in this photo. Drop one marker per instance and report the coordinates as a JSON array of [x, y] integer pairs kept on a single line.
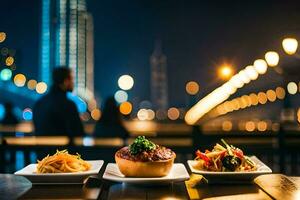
[[279, 186]]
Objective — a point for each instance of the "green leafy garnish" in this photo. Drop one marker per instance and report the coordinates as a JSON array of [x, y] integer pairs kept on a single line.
[[141, 144]]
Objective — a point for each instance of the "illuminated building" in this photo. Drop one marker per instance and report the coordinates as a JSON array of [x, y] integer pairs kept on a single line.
[[159, 79], [67, 40]]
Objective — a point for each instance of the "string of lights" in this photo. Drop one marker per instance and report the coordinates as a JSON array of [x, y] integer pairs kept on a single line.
[[255, 99], [243, 77]]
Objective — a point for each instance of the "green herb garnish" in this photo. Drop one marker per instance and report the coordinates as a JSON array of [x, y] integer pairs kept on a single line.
[[141, 144]]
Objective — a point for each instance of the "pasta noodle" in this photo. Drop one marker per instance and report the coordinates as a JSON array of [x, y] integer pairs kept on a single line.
[[62, 162]]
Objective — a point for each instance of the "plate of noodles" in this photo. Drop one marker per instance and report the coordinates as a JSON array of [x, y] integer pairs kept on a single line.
[[227, 163], [61, 168]]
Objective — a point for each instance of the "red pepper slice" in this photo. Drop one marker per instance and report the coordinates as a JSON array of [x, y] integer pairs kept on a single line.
[[223, 154], [239, 153], [203, 156]]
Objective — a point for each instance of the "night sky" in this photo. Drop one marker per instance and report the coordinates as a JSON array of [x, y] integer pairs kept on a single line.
[[197, 36]]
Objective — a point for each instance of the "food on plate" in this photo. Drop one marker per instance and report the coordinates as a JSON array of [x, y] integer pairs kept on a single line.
[[224, 158], [143, 158], [62, 162]]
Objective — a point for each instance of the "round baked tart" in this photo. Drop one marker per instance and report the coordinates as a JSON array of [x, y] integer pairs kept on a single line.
[[143, 158]]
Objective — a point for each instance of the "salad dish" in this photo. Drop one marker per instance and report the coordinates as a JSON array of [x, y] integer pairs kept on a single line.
[[227, 164]]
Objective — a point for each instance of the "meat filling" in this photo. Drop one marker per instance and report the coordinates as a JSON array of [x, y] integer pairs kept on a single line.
[[159, 153]]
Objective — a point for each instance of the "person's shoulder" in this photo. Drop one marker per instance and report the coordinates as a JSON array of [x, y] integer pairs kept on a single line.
[[70, 103], [42, 99]]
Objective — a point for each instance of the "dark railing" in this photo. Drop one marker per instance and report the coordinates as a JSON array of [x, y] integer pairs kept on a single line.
[[278, 150]]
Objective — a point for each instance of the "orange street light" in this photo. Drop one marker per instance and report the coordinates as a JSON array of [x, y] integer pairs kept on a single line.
[[225, 72]]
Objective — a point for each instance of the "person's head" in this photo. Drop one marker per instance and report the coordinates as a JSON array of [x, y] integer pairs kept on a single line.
[[111, 112], [63, 78], [8, 107]]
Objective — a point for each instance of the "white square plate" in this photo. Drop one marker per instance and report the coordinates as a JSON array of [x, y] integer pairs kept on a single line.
[[178, 173], [59, 178], [223, 177]]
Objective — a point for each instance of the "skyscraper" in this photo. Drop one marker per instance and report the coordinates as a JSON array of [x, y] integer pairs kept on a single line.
[[159, 80], [67, 40]]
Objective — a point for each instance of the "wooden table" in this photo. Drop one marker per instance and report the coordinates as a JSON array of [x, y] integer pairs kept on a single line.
[[13, 187], [16, 187]]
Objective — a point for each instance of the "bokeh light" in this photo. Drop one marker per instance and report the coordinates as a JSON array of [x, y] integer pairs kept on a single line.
[[173, 113], [251, 72], [228, 106], [247, 99], [262, 126], [125, 108], [271, 95], [272, 58], [125, 82], [96, 114], [244, 77], [260, 66], [41, 87], [290, 45], [121, 96], [227, 126], [161, 114], [5, 74], [31, 84], [292, 88], [225, 72], [192, 87], [236, 81], [229, 88], [9, 61], [142, 114], [19, 80], [236, 105], [250, 126], [2, 37], [146, 114], [280, 92], [220, 110], [262, 98], [151, 114], [2, 111], [242, 102], [27, 114]]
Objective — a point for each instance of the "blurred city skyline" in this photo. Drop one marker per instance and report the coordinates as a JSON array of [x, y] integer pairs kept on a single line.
[[196, 37]]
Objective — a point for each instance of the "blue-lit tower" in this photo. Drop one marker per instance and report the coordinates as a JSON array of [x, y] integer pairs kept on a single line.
[[159, 78], [45, 69], [67, 40]]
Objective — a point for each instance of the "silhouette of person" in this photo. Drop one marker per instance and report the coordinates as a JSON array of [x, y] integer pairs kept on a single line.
[[54, 113], [110, 124], [9, 117]]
